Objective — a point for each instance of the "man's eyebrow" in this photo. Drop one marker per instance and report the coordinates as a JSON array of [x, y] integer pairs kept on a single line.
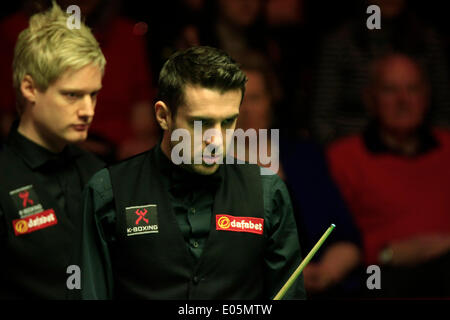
[[200, 118], [67, 90], [234, 116]]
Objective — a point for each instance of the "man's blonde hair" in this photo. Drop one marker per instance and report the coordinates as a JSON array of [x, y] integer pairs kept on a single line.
[[47, 48]]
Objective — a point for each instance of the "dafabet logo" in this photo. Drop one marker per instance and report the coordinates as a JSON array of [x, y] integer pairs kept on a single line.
[[226, 222]]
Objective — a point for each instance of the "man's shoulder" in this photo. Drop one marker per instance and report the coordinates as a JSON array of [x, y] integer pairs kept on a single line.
[[271, 183], [131, 161], [98, 191], [3, 149], [7, 157], [443, 136], [100, 181], [131, 169], [346, 146], [269, 177]]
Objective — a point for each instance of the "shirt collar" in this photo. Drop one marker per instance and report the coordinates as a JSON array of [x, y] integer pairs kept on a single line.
[[375, 144], [35, 155]]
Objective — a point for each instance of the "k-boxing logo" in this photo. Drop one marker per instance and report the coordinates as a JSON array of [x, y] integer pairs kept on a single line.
[[141, 220], [141, 214], [259, 150], [26, 201], [25, 197]]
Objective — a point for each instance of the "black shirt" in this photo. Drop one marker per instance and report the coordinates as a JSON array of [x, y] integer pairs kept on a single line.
[[38, 185], [56, 171], [192, 198]]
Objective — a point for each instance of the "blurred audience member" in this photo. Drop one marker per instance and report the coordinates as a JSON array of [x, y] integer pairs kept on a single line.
[[336, 109], [258, 103], [257, 108], [292, 44], [317, 203], [284, 12], [395, 178], [238, 27], [165, 37], [126, 84]]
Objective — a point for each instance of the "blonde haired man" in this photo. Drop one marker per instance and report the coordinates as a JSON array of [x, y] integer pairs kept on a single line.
[[57, 73]]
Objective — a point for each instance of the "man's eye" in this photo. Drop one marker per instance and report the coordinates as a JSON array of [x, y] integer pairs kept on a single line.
[[203, 123], [228, 122], [72, 95]]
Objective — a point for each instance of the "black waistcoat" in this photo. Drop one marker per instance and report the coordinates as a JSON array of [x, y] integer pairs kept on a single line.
[[34, 264], [157, 265]]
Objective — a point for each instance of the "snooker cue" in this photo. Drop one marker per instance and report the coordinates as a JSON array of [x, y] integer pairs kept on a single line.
[[303, 264]]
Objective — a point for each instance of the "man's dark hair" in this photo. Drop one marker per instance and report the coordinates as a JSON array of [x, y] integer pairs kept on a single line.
[[206, 67]]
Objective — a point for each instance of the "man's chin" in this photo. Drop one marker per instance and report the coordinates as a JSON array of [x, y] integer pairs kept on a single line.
[[76, 137], [204, 169]]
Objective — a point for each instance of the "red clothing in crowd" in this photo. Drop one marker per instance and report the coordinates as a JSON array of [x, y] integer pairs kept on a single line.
[[127, 79], [393, 197]]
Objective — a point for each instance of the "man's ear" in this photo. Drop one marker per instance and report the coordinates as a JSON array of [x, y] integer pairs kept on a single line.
[[163, 115], [28, 89]]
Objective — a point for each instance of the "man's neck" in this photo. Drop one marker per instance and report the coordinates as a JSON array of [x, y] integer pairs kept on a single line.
[[407, 144], [165, 144], [29, 131]]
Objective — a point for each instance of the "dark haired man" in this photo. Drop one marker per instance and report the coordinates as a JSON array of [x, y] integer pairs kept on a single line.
[[198, 230]]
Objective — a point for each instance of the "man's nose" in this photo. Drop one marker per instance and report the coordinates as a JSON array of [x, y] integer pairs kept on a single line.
[[214, 135], [87, 107], [404, 95]]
